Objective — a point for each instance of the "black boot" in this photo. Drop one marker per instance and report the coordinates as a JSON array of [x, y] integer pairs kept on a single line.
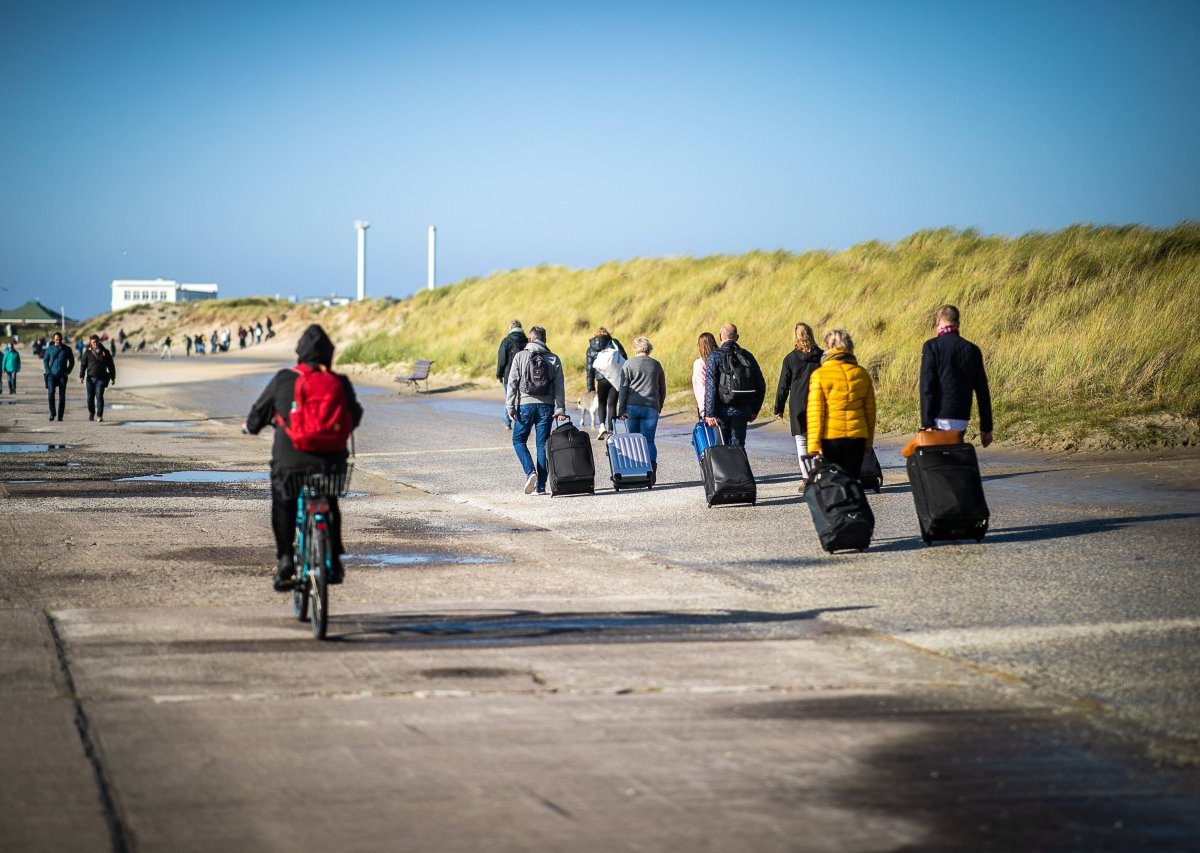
[[285, 574]]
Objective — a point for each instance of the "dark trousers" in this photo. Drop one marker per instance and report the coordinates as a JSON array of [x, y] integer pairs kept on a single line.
[[283, 518], [846, 453], [95, 395], [59, 384], [733, 428], [606, 401], [12, 382]]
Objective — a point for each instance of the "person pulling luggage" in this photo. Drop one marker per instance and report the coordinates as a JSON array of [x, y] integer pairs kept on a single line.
[[841, 406], [734, 387], [951, 371], [798, 367], [643, 392], [535, 399]]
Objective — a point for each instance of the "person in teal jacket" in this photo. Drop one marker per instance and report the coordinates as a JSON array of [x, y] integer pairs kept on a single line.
[[12, 366]]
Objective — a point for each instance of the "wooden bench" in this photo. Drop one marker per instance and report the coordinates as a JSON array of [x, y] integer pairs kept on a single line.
[[420, 372]]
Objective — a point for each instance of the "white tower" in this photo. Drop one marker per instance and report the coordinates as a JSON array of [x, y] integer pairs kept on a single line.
[[362, 225], [432, 257]]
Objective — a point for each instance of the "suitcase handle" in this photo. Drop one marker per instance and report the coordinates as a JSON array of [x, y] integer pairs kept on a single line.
[[620, 427]]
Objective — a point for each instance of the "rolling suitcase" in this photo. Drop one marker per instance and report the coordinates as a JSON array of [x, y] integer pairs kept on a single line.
[[948, 492], [840, 511], [725, 469], [629, 458], [871, 474], [570, 466]]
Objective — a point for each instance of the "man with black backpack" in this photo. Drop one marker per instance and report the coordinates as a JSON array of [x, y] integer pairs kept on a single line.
[[314, 411], [534, 400], [734, 389]]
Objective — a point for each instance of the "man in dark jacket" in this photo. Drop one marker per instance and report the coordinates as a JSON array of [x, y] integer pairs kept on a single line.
[[57, 361], [98, 370], [512, 344], [951, 371], [315, 350], [745, 387]]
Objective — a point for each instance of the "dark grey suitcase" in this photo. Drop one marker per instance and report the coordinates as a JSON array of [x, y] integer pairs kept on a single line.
[[571, 468], [948, 492], [840, 512], [728, 479], [871, 474]]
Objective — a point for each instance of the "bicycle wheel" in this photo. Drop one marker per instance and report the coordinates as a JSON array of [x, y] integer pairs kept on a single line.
[[300, 590], [318, 573]]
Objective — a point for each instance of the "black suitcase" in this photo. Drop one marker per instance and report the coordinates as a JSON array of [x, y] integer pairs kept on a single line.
[[840, 511], [948, 492], [871, 474], [728, 479], [570, 466]]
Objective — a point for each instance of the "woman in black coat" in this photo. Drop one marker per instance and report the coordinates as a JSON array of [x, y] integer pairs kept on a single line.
[[798, 366]]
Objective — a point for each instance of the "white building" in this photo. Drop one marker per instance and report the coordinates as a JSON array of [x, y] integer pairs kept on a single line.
[[126, 293]]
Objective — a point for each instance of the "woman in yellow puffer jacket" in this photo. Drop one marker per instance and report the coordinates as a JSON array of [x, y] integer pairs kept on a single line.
[[841, 406]]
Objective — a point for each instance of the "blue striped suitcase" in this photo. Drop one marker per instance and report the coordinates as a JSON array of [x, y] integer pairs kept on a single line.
[[629, 458]]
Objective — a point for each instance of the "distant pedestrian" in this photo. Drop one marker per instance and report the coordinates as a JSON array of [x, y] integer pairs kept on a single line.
[[241, 336], [602, 371], [166, 348], [79, 346], [187, 345], [535, 398], [951, 371], [734, 388], [643, 393], [98, 370], [258, 332], [57, 361], [841, 406], [706, 343], [798, 366], [270, 328], [12, 366], [512, 344]]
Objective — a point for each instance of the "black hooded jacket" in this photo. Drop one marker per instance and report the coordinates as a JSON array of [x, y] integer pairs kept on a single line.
[[596, 346], [797, 368], [314, 349], [512, 344]]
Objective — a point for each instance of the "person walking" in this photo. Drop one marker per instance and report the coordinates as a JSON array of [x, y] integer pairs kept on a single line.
[[57, 361], [511, 344], [706, 343], [166, 348], [642, 395], [535, 398], [734, 387], [951, 371], [602, 370], [314, 354], [798, 366], [12, 366], [98, 370], [841, 406], [187, 345]]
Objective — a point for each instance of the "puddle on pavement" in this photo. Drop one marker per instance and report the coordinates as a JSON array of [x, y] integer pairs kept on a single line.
[[420, 559], [201, 477], [24, 482], [58, 464], [33, 448], [8, 402], [163, 424]]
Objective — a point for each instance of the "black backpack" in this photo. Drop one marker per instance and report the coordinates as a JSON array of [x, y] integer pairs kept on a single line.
[[736, 377], [535, 376]]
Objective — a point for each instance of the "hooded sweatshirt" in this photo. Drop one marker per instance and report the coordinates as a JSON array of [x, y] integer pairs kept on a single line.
[[512, 344], [514, 398], [314, 349]]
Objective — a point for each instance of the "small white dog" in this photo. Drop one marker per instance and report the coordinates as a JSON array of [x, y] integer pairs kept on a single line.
[[589, 407]]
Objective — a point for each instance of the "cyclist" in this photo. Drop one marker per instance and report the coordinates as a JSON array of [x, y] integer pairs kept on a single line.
[[314, 352]]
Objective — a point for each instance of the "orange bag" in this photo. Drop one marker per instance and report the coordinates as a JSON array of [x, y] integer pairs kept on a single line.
[[931, 437]]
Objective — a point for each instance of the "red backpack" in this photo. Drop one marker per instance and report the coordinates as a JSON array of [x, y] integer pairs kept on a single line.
[[319, 421]]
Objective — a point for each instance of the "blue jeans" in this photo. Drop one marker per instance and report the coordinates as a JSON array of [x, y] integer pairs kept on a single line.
[[644, 419], [529, 416], [95, 395], [733, 428]]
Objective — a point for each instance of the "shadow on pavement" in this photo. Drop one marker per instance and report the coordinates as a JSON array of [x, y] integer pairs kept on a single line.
[[530, 627], [987, 778]]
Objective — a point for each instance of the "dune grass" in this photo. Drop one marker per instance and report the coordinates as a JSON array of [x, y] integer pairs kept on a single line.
[[1089, 333]]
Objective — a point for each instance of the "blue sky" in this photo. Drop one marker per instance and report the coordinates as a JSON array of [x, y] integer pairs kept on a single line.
[[237, 142]]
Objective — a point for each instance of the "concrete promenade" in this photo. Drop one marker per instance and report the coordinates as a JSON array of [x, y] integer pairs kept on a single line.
[[628, 671]]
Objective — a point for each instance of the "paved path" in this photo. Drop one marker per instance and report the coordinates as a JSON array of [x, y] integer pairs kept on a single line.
[[629, 672]]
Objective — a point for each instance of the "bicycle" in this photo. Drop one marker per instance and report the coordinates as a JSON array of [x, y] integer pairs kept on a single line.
[[314, 546]]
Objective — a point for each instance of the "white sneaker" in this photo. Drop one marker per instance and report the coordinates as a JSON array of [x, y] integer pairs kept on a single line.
[[531, 483]]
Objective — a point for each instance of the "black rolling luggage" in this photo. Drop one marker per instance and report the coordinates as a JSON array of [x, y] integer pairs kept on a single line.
[[570, 466], [727, 475], [948, 492], [840, 511], [871, 475]]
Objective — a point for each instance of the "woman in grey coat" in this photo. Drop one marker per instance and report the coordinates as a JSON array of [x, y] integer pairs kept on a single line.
[[643, 392]]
